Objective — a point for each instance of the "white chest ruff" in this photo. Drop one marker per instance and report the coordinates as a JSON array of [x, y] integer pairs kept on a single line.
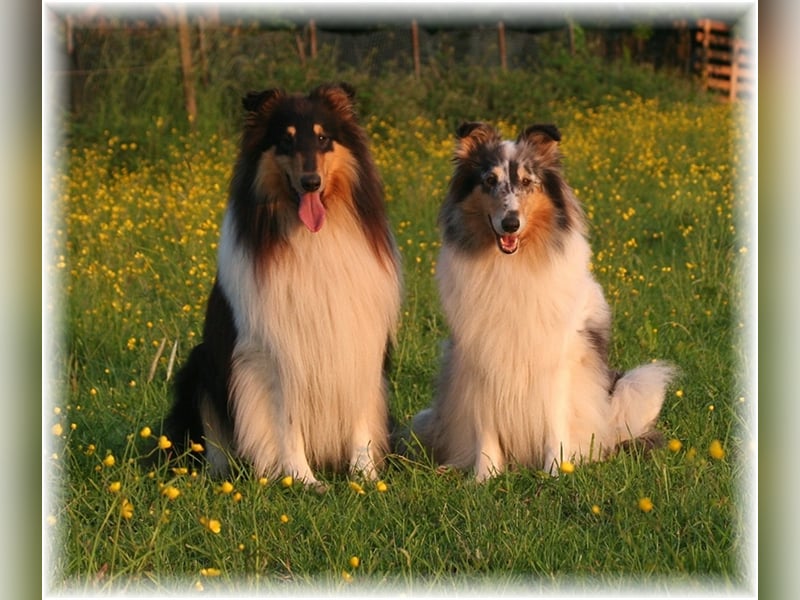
[[312, 329]]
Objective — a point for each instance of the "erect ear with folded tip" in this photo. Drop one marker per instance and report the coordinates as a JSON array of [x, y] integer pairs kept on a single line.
[[472, 135], [540, 134], [338, 97], [261, 101]]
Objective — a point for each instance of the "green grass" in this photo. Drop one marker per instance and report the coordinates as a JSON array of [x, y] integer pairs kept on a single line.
[[133, 259]]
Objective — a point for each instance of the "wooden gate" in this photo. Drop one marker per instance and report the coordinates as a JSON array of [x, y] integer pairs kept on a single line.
[[725, 61]]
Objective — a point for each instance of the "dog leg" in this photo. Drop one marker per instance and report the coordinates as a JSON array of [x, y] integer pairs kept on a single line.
[[361, 460], [489, 462], [294, 461], [558, 447]]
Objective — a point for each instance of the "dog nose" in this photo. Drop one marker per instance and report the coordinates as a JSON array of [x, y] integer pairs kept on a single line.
[[310, 182], [510, 222]]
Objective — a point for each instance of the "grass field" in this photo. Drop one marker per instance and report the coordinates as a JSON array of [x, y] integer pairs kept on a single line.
[[665, 186]]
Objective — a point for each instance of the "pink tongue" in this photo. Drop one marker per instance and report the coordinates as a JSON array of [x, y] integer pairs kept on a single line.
[[311, 212]]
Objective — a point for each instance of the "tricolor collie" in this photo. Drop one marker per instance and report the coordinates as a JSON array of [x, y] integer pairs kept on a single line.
[[525, 378], [289, 375]]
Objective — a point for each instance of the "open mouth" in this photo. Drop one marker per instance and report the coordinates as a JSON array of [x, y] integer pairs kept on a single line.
[[508, 243]]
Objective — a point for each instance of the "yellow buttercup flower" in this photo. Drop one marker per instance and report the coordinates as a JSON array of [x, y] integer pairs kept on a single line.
[[645, 504], [57, 430], [126, 510], [170, 492], [226, 487], [213, 525], [145, 432], [354, 562], [210, 572], [566, 467], [114, 487], [356, 487], [381, 486], [284, 518], [716, 451], [164, 443], [674, 445], [197, 447], [109, 461], [287, 481]]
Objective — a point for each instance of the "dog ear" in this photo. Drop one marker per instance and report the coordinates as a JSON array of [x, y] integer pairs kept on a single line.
[[472, 135], [540, 134], [339, 98], [261, 101]]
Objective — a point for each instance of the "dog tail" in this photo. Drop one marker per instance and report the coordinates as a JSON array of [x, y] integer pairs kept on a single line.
[[636, 401]]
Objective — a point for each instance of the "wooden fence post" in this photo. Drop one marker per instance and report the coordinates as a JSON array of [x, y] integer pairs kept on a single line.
[[415, 48], [501, 43], [312, 35], [184, 41]]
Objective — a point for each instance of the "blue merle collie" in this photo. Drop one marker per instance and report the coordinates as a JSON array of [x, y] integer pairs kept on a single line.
[[525, 378]]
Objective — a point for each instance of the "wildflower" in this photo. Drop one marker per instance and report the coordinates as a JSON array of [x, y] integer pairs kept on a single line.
[[595, 509], [381, 486], [109, 460], [356, 487], [566, 467], [645, 504], [57, 430], [679, 393], [197, 447], [347, 577], [716, 451], [210, 572], [674, 445], [287, 481], [126, 510], [145, 432], [226, 487], [170, 491], [164, 443], [114, 487], [263, 481], [354, 562], [213, 525], [237, 497], [180, 470], [284, 518]]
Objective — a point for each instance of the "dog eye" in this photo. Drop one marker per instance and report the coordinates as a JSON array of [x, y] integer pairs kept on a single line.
[[491, 180], [323, 139], [526, 182]]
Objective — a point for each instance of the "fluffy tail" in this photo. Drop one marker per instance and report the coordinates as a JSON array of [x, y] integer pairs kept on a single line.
[[637, 398]]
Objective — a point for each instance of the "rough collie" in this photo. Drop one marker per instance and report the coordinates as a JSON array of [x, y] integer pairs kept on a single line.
[[525, 378], [290, 372]]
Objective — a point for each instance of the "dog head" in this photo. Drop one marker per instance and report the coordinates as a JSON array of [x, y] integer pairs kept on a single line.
[[505, 193], [300, 145]]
